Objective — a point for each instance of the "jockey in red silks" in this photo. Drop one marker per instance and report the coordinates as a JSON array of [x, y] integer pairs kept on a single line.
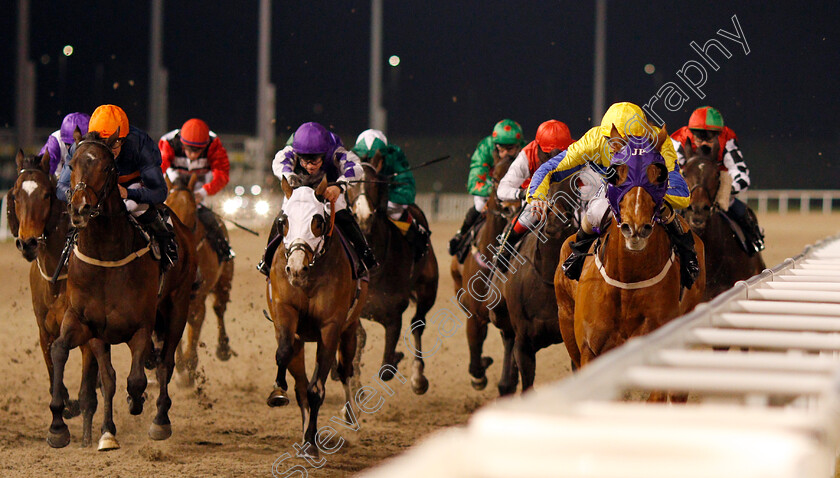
[[316, 153], [194, 149], [707, 136], [60, 142], [552, 138]]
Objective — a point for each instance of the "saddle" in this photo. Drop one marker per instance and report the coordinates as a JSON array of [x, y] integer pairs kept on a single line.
[[749, 240], [355, 260]]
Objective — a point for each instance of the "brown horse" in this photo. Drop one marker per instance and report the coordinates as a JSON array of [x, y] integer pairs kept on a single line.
[[312, 298], [527, 313], [726, 261], [39, 222], [214, 277], [400, 279], [630, 285], [472, 279], [115, 294]]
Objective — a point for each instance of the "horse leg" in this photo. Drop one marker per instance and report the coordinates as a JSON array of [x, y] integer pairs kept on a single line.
[[161, 427], [102, 351], [71, 406], [526, 360], [285, 326], [297, 367], [510, 374], [221, 297], [476, 334], [390, 356], [316, 390], [139, 344], [87, 392], [361, 340], [419, 382], [189, 359], [346, 355], [73, 334]]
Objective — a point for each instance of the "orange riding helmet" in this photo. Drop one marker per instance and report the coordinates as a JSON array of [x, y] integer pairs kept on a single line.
[[106, 119]]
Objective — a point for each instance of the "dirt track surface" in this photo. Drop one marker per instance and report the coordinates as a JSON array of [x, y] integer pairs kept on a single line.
[[222, 427]]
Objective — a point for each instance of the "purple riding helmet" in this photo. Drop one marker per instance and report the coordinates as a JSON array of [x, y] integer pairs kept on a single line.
[[637, 155], [69, 124]]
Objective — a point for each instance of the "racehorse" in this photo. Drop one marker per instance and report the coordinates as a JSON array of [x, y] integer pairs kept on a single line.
[[527, 313], [116, 294], [472, 279], [39, 222], [400, 279], [312, 298], [214, 277], [726, 261], [630, 284]]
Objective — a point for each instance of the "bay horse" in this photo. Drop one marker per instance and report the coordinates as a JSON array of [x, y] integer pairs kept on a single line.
[[312, 297], [400, 279], [630, 284], [527, 314], [39, 222], [116, 294], [472, 279], [214, 277], [726, 261]]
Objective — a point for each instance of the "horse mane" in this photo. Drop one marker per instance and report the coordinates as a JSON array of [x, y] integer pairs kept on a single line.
[[181, 181]]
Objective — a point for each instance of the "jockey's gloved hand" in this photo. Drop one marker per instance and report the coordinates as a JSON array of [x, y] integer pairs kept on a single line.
[[666, 213], [523, 194], [200, 194]]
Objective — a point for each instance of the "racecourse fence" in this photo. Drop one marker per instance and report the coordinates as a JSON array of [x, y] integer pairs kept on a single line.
[[768, 407]]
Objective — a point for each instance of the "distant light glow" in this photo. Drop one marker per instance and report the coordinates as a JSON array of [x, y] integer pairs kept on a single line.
[[67, 50], [649, 68], [232, 205], [394, 60], [262, 207], [239, 190], [256, 190]]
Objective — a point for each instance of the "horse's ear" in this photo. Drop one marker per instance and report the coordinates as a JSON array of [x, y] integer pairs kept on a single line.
[[287, 188], [193, 179], [322, 186], [77, 135], [378, 161], [113, 138], [615, 134], [661, 138], [168, 181], [19, 159], [45, 162]]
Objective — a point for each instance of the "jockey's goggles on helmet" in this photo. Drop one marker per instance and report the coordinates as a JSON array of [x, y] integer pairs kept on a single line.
[[309, 159], [704, 134]]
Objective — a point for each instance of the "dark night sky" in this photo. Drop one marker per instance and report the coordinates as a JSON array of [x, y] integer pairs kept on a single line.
[[465, 64]]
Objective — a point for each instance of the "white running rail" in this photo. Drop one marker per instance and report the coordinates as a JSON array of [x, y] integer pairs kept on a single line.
[[769, 407]]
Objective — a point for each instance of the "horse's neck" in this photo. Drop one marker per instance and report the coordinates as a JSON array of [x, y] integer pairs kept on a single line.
[[109, 236], [57, 226], [633, 266], [494, 224], [325, 266], [548, 252]]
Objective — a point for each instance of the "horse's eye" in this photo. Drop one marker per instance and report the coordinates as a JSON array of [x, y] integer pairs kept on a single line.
[[317, 225]]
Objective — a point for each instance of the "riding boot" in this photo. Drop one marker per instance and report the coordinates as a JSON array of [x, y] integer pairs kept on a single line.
[[753, 235], [573, 265], [215, 234], [350, 229], [506, 248], [153, 219], [683, 242], [456, 243], [418, 237], [274, 239]]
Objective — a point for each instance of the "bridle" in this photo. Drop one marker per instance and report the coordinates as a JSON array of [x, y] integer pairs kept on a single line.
[[43, 237], [107, 187], [320, 249]]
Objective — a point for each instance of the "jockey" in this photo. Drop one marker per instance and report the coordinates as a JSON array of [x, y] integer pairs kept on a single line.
[[502, 145], [194, 149], [59, 142], [401, 192], [707, 136], [596, 149], [552, 138], [140, 180], [316, 153]]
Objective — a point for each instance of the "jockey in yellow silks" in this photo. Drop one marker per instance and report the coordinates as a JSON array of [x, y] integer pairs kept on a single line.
[[596, 149]]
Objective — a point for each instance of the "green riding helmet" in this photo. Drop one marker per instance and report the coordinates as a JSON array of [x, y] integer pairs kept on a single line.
[[369, 142], [508, 131]]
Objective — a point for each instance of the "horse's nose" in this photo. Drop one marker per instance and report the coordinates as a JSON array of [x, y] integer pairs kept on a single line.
[[626, 230], [646, 231], [288, 270], [26, 244]]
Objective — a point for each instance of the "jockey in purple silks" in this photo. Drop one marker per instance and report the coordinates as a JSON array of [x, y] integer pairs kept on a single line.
[[313, 154], [59, 143]]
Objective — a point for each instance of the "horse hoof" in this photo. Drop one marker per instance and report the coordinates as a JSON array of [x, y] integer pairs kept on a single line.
[[71, 409], [160, 432], [135, 407], [223, 353], [420, 385], [108, 442], [479, 383], [486, 362], [60, 439], [277, 398]]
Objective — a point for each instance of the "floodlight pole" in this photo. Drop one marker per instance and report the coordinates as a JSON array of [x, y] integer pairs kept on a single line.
[[377, 115], [599, 83]]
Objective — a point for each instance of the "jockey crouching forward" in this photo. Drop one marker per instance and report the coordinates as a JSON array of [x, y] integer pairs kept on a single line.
[[707, 136], [140, 180], [504, 144], [60, 143], [316, 153], [596, 148], [552, 138], [401, 189], [194, 149]]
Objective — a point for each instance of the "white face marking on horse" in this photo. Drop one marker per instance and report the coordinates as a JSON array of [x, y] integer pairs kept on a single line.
[[90, 156], [29, 187], [362, 209]]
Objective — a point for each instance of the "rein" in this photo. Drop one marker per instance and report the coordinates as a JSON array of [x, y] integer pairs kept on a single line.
[[107, 188]]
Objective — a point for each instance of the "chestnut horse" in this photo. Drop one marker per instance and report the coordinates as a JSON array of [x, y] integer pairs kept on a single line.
[[630, 285], [115, 294], [312, 298], [726, 261], [399, 280], [214, 277], [472, 279], [39, 222], [527, 313]]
